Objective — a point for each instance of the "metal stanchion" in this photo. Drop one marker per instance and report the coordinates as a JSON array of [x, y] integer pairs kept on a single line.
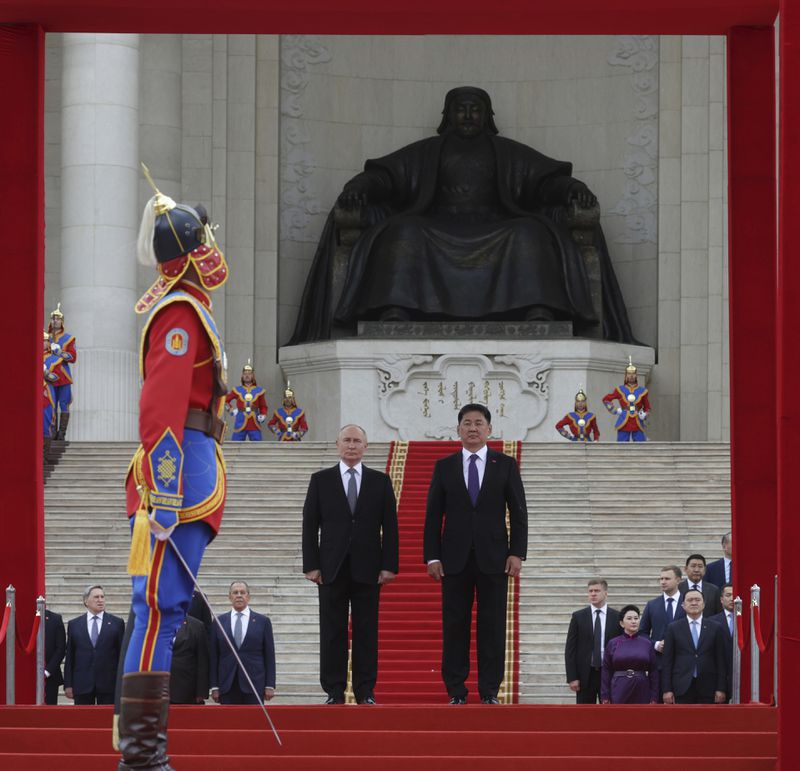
[[11, 639], [736, 676], [775, 648], [40, 609], [755, 693]]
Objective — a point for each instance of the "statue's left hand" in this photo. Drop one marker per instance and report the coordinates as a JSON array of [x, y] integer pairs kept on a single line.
[[580, 194]]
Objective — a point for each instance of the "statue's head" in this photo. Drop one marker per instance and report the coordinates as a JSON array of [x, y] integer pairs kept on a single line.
[[467, 112]]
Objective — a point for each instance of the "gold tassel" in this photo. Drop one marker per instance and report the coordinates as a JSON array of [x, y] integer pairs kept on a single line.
[[115, 734], [139, 558]]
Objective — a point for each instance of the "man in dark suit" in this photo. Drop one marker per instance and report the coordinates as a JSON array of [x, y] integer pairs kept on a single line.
[[188, 681], [661, 611], [726, 621], [350, 550], [695, 572], [590, 629], [94, 640], [720, 572], [693, 668], [474, 551], [55, 646], [251, 633]]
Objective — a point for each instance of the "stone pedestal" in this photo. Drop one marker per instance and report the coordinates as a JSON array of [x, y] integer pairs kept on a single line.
[[413, 388]]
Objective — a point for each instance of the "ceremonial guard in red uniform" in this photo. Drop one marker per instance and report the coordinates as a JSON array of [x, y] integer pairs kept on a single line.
[[176, 481], [62, 346], [248, 405], [49, 362], [580, 425], [632, 409], [288, 421]]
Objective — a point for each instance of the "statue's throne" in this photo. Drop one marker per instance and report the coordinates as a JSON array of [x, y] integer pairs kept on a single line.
[[581, 223]]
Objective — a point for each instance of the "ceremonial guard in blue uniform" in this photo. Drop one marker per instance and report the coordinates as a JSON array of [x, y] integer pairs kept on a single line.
[[248, 405], [288, 421], [63, 347], [176, 481]]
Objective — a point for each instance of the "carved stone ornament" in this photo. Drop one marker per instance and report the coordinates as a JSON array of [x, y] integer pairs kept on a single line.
[[638, 205], [420, 396]]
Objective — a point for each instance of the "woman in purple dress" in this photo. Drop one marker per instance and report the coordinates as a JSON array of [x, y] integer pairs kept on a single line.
[[629, 674]]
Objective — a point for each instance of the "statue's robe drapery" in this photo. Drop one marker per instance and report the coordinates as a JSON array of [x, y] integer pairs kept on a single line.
[[465, 229]]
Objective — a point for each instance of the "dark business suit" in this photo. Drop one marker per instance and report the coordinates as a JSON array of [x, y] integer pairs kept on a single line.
[[55, 647], [578, 651], [91, 672], [722, 620], [715, 573], [713, 604], [190, 662], [654, 625], [351, 550], [473, 545], [257, 653], [681, 658]]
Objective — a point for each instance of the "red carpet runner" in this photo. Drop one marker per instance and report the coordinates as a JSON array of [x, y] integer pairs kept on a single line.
[[409, 738], [410, 630]]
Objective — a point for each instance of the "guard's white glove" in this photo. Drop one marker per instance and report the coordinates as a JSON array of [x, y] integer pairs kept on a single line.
[[234, 411], [642, 414], [55, 348], [618, 411], [261, 418]]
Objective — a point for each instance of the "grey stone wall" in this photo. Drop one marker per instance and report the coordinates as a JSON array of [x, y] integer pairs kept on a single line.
[[265, 130]]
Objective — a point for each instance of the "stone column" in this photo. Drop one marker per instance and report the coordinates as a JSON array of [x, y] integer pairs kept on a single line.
[[99, 172]]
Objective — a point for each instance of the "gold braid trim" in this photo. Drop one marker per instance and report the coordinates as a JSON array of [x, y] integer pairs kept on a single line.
[[506, 693]]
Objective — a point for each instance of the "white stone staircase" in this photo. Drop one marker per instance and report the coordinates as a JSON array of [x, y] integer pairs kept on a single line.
[[618, 511]]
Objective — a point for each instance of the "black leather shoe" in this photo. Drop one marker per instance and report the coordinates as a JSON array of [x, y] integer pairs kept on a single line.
[[334, 700], [458, 700], [489, 700], [367, 700]]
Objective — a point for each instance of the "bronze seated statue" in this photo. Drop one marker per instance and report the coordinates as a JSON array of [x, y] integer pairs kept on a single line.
[[463, 225]]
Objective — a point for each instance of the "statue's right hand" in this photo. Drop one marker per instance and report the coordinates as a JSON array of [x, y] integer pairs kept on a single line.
[[352, 197]]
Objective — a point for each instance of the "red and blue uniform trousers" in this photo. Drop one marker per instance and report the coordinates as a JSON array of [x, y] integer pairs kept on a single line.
[[246, 424], [181, 470], [629, 425], [47, 413]]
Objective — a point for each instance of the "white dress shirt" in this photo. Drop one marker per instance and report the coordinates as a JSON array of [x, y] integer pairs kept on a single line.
[[603, 615], [245, 623], [344, 471], [676, 602], [699, 620], [90, 623], [480, 464]]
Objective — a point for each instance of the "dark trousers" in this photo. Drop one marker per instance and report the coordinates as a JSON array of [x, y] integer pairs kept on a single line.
[[339, 599], [589, 693], [51, 691], [237, 696], [458, 594], [694, 695], [94, 698]]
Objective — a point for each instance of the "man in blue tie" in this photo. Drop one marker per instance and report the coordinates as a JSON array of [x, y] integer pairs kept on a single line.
[[693, 670], [251, 633], [350, 550], [468, 547], [94, 640]]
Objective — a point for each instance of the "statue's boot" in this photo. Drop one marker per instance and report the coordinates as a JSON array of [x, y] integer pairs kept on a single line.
[[63, 422], [395, 313], [144, 707], [539, 313]]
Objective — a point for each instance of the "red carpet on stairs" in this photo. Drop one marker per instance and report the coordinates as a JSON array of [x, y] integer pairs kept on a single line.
[[410, 629], [551, 738]]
